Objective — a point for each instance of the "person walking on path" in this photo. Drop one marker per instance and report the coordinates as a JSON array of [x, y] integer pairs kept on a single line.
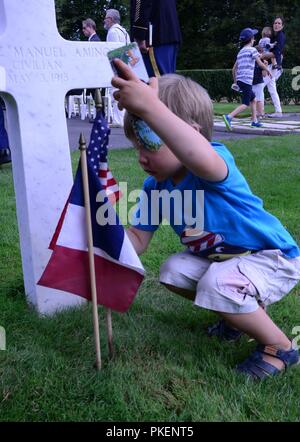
[[115, 33], [244, 72], [258, 86], [277, 51], [89, 30]]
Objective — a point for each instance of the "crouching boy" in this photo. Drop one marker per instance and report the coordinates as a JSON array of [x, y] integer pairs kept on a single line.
[[239, 257]]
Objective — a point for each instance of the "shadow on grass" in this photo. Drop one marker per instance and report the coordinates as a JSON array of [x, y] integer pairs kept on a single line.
[[16, 290]]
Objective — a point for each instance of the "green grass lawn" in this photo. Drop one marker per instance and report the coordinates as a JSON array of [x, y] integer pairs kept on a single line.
[[226, 108], [165, 368]]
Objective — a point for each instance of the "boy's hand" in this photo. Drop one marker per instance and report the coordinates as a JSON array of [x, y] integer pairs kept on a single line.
[[133, 94]]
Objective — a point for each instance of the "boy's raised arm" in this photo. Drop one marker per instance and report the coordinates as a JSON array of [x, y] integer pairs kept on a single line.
[[188, 145]]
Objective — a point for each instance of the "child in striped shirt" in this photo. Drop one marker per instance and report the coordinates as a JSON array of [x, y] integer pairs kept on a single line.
[[243, 72]]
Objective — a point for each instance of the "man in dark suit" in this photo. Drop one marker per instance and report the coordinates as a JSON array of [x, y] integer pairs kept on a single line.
[[159, 54], [89, 30], [4, 148]]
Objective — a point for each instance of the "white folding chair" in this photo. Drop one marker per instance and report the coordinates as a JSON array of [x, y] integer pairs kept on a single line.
[[108, 110], [74, 104], [91, 108]]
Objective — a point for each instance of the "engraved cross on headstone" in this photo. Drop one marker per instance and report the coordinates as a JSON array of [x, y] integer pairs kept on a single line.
[[37, 68]]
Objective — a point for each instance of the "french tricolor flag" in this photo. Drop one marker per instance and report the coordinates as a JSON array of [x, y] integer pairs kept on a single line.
[[119, 271]]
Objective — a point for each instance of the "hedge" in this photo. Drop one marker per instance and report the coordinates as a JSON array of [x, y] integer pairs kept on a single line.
[[218, 84]]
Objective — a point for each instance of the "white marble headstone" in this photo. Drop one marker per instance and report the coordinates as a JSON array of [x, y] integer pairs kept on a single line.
[[37, 68]]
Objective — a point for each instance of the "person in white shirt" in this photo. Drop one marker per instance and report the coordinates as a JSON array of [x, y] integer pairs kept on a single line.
[[116, 33]]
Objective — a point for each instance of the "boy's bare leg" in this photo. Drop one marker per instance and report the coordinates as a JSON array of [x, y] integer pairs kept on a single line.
[[253, 110], [260, 326], [238, 110], [257, 325], [260, 108]]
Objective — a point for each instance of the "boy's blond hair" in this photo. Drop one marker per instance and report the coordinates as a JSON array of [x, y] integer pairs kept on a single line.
[[186, 99], [266, 32]]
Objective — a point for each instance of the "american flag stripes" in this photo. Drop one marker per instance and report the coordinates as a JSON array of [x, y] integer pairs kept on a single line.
[[198, 241], [119, 271], [97, 156]]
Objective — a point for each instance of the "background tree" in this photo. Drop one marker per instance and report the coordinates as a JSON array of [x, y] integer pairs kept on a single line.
[[70, 14], [210, 29]]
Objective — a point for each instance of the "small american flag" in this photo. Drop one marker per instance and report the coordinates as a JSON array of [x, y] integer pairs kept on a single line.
[[68, 267], [97, 157], [197, 240]]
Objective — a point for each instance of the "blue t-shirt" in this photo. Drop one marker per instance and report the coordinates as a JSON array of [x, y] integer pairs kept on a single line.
[[228, 208]]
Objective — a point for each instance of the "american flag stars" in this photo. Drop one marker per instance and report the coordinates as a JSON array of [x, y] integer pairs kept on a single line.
[[97, 156]]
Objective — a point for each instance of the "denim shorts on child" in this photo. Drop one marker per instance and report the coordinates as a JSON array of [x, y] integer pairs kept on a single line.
[[247, 93], [238, 285]]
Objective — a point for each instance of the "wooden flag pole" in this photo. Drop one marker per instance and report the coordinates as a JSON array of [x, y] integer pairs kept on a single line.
[[98, 104], [109, 333], [82, 147]]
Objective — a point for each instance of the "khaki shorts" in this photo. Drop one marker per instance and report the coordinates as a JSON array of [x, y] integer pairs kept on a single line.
[[238, 285]]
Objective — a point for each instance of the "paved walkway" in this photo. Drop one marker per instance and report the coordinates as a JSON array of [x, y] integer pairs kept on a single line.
[[288, 124], [117, 139]]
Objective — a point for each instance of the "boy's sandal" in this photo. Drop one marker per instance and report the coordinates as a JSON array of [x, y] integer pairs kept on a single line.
[[257, 369], [223, 331]]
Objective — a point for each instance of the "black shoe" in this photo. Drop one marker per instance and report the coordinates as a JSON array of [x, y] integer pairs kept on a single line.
[[5, 156]]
